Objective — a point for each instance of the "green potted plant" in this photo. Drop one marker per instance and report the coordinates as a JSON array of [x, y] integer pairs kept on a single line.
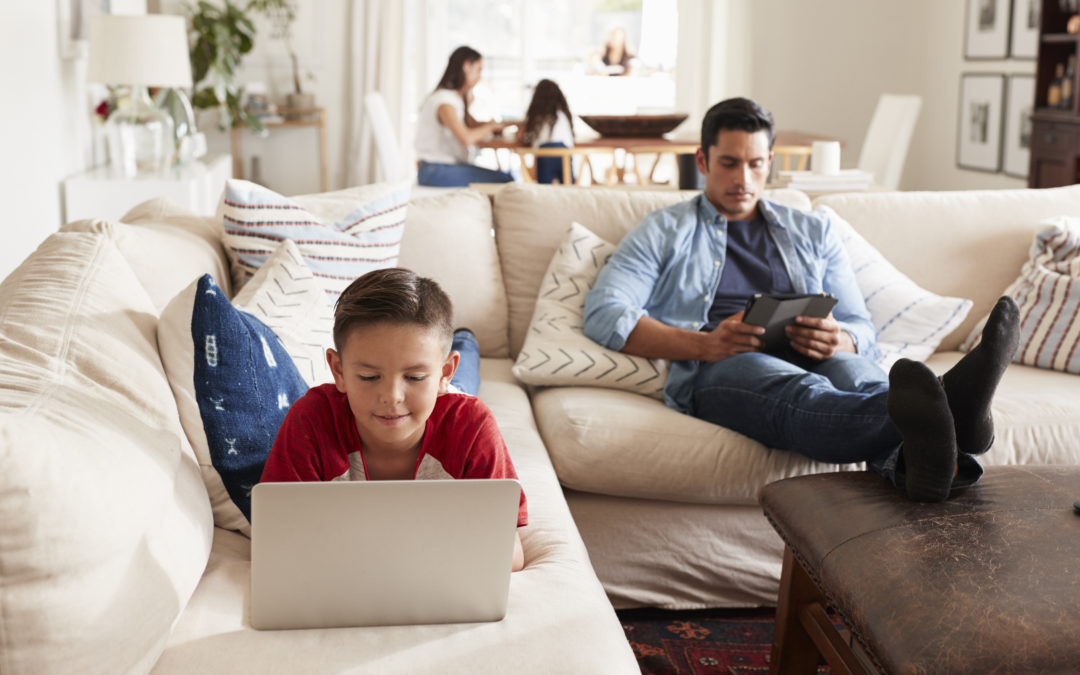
[[221, 36], [282, 14]]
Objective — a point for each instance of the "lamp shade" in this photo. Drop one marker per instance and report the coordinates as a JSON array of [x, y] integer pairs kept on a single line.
[[142, 50]]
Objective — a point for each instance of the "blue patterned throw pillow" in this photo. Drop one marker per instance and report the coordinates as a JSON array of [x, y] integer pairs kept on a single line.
[[234, 383]]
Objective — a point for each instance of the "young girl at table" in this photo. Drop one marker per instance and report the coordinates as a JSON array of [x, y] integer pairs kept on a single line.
[[446, 134], [548, 125]]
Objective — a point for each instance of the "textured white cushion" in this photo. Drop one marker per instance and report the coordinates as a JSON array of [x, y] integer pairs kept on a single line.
[[341, 235], [166, 246], [448, 238], [1048, 294], [910, 321], [282, 294], [287, 297], [105, 526], [556, 351]]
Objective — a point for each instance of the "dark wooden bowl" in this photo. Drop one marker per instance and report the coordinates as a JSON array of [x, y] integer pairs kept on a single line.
[[634, 126]]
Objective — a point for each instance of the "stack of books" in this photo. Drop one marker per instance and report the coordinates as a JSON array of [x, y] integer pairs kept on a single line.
[[847, 180]]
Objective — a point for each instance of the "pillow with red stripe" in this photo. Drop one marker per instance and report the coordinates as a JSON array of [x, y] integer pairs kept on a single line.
[[364, 233], [1048, 294]]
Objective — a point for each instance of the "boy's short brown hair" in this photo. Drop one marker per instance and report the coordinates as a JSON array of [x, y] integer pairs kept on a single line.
[[392, 295]]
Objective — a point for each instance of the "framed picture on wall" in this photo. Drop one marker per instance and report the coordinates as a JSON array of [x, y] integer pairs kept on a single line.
[[978, 143], [1024, 40], [987, 29], [1019, 102]]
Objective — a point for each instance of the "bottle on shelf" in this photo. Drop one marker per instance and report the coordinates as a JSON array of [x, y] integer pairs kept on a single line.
[[1053, 92], [1068, 84]]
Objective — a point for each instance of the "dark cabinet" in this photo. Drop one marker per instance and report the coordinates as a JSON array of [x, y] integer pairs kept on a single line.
[[1055, 128]]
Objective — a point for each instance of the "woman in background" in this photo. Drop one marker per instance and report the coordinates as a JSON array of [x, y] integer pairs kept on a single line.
[[617, 55], [447, 134], [548, 124]]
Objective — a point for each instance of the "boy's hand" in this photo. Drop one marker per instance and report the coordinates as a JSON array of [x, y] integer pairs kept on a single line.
[[731, 336], [818, 338]]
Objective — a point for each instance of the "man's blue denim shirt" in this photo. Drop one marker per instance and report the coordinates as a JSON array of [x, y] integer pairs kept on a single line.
[[668, 268]]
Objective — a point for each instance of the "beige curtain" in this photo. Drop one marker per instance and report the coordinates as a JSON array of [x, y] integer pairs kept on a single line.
[[389, 53]]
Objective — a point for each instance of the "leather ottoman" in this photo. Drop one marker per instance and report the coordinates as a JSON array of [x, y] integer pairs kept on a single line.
[[987, 581]]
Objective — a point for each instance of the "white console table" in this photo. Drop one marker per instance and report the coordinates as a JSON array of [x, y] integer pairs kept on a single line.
[[101, 193]]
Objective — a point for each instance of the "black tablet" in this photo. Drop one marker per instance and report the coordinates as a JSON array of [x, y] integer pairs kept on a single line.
[[778, 310]]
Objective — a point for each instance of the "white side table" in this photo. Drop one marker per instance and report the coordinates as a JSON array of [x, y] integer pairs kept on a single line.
[[100, 193]]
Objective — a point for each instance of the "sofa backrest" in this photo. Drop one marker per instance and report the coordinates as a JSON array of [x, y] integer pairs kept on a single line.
[[532, 220], [969, 244]]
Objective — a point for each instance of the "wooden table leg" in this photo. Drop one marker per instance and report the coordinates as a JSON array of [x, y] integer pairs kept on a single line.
[[793, 650]]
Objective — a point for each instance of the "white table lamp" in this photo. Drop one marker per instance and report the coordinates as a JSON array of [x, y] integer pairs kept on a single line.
[[140, 51]]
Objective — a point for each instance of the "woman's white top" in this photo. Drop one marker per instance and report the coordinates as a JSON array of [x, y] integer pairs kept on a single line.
[[559, 131], [435, 142]]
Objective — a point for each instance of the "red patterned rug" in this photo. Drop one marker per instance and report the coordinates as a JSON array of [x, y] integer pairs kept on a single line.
[[701, 642]]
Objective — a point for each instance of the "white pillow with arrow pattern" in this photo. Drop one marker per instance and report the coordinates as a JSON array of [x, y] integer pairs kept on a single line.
[[556, 351]]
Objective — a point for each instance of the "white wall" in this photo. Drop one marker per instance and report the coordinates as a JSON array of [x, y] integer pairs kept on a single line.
[[820, 66], [44, 126]]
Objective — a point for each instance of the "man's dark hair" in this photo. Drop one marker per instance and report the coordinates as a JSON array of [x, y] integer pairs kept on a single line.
[[393, 295], [735, 114]]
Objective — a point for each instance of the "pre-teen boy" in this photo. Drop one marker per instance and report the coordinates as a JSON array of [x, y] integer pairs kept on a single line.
[[389, 415]]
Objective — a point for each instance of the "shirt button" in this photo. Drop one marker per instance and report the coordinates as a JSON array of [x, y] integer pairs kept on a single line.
[[716, 263], [697, 324], [706, 298], [719, 232]]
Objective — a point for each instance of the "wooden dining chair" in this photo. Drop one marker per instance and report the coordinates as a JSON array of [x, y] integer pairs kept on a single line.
[[791, 157], [566, 155]]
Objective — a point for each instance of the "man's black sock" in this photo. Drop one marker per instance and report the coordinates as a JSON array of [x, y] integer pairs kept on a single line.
[[919, 408], [971, 383]]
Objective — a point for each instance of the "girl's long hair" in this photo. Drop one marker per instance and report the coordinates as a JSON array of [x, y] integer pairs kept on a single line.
[[547, 102], [454, 75]]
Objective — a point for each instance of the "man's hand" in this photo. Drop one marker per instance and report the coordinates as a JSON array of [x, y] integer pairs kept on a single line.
[[818, 338], [731, 336]]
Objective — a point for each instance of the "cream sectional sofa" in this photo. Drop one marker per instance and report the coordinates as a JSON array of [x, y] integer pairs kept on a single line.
[[109, 561]]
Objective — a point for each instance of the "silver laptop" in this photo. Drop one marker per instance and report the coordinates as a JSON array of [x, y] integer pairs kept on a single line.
[[380, 553]]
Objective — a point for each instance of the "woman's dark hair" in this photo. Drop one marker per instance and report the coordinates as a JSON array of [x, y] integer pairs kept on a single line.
[[454, 77], [735, 114], [393, 295], [547, 102]]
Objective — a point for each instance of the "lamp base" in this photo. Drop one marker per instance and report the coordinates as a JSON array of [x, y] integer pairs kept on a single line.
[[140, 136]]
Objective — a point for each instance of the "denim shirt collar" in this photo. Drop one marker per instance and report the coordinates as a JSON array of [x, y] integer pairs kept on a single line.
[[709, 213]]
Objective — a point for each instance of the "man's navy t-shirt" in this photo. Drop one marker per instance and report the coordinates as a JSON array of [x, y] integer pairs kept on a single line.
[[753, 265]]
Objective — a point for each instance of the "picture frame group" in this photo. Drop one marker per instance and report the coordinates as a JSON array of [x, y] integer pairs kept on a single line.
[[994, 126], [998, 29]]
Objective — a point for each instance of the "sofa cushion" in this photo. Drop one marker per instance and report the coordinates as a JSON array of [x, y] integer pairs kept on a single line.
[[966, 244], [558, 619], [531, 222], [617, 443], [234, 382], [105, 526], [1048, 294], [166, 246], [556, 351], [448, 238], [338, 248], [910, 321], [287, 297]]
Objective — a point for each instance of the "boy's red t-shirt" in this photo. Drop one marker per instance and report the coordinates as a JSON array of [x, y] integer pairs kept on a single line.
[[318, 441]]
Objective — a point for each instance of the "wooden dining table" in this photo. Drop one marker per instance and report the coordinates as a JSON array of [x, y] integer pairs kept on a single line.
[[786, 140]]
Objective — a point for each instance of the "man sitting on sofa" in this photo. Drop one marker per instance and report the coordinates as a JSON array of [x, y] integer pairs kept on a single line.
[[676, 287]]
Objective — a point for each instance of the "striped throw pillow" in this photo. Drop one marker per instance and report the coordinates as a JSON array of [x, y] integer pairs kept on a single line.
[[366, 237], [910, 321], [1048, 293]]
